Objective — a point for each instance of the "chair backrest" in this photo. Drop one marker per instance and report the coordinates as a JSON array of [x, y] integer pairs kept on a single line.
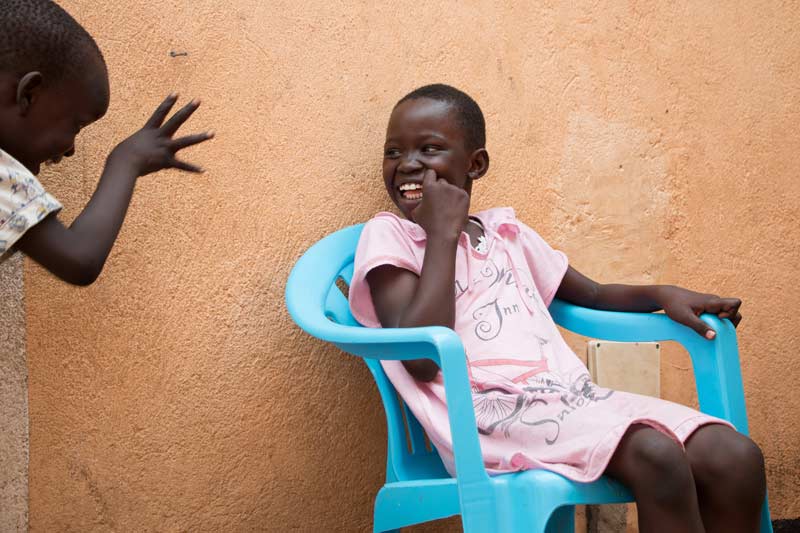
[[409, 454]]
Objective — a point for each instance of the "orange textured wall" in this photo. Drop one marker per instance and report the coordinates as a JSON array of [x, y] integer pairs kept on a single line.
[[652, 141]]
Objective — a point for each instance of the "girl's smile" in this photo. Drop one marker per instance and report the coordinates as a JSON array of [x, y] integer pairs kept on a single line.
[[411, 191]]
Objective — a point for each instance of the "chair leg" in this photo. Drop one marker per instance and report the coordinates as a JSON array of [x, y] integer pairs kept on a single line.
[[766, 523], [543, 520], [562, 520]]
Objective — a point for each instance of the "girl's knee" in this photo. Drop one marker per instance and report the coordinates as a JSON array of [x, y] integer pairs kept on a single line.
[[727, 459], [662, 456], [655, 461], [745, 454]]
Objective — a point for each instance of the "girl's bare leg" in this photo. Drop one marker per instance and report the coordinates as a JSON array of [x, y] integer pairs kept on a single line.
[[659, 474], [728, 470]]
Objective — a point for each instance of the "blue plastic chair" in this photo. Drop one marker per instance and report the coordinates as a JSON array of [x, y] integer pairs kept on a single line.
[[418, 489]]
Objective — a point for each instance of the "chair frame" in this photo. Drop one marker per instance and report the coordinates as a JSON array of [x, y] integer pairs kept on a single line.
[[417, 487]]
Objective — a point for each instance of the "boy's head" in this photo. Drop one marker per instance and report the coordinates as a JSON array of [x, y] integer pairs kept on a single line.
[[53, 81], [434, 127]]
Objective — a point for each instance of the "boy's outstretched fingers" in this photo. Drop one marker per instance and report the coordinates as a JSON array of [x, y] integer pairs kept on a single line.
[[183, 165], [184, 142], [190, 140], [161, 111], [152, 148], [179, 118]]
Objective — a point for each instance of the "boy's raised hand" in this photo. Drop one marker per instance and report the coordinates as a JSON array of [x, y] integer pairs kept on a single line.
[[152, 148], [77, 254], [444, 208], [685, 306]]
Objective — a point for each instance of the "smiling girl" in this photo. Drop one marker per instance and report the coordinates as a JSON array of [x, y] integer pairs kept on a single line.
[[491, 278]]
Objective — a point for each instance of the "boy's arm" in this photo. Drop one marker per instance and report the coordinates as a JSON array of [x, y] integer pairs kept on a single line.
[[404, 300], [77, 254], [682, 305]]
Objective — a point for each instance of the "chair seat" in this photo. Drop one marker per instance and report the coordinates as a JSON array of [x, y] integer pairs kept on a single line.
[[404, 503]]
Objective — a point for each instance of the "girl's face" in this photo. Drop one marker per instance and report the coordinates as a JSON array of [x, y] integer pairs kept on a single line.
[[425, 134]]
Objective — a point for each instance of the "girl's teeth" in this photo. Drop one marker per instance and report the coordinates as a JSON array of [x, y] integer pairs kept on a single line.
[[411, 191]]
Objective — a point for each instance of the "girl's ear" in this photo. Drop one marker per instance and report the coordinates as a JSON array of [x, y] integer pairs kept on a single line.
[[27, 88], [479, 163]]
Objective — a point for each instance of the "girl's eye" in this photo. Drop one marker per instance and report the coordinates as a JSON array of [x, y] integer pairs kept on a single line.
[[391, 152], [430, 149]]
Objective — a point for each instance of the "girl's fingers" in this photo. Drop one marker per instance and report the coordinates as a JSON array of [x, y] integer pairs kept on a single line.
[[190, 140], [735, 318], [722, 307], [694, 322], [428, 178], [177, 120], [183, 165], [728, 308], [713, 305], [730, 305], [161, 112]]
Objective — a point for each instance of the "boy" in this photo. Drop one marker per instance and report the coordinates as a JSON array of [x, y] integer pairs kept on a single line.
[[53, 83]]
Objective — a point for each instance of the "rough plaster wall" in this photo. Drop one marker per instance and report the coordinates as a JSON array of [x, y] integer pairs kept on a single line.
[[651, 142], [738, 206], [13, 400]]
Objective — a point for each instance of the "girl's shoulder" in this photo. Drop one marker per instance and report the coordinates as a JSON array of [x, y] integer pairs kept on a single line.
[[385, 222], [502, 220]]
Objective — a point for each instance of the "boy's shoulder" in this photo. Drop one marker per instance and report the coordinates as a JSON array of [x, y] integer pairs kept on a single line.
[[23, 202]]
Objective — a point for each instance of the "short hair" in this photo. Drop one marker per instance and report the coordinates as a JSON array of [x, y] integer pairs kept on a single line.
[[38, 35], [469, 113]]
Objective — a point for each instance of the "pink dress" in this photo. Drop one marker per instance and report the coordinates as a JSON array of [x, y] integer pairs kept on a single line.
[[535, 404]]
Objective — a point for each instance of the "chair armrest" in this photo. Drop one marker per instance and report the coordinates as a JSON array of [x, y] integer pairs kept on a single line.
[[716, 362], [307, 290], [441, 345]]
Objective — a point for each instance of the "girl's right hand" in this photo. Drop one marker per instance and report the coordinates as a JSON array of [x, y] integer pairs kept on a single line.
[[444, 208], [152, 148]]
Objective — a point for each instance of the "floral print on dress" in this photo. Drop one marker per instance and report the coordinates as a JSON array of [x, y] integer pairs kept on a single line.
[[23, 202]]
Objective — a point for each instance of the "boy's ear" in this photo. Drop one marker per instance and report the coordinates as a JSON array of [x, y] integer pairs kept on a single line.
[[479, 163], [27, 88]]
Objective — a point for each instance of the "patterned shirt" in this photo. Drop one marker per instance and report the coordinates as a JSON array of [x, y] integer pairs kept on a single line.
[[23, 202]]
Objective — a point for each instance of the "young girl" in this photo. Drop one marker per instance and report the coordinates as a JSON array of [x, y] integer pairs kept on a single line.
[[491, 278], [53, 83]]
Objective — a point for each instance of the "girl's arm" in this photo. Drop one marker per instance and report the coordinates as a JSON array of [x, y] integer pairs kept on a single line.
[[77, 254], [404, 300], [679, 304]]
